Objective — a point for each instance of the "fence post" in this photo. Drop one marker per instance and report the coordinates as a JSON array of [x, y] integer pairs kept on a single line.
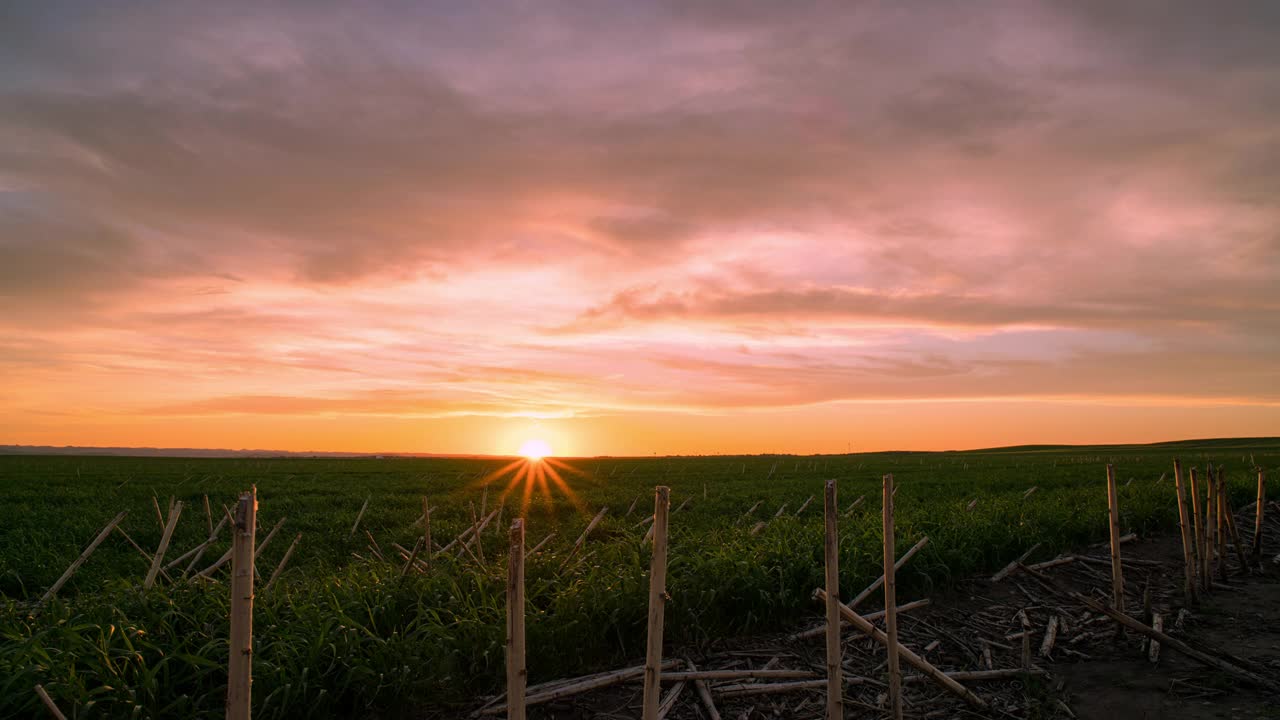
[[1190, 596], [1258, 518], [426, 531], [891, 602], [240, 665], [1117, 571], [835, 684], [517, 676], [657, 600]]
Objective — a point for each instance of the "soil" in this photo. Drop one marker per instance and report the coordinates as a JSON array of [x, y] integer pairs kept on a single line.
[[1092, 673]]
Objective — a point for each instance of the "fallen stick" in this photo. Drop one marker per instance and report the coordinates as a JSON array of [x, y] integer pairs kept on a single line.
[[1053, 563], [820, 629], [1167, 640], [283, 561], [896, 566], [1014, 565], [905, 653], [752, 509], [981, 675], [540, 545], [165, 537], [213, 537], [673, 695], [48, 703], [1157, 624], [359, 515], [780, 511], [704, 693], [1050, 636], [855, 504], [748, 689], [743, 674], [263, 545], [75, 564], [582, 539], [142, 552], [805, 505], [562, 689]]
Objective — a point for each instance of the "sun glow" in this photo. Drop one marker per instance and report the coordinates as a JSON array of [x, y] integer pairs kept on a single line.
[[535, 449]]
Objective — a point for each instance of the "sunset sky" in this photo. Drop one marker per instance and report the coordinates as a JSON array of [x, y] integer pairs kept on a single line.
[[636, 228]]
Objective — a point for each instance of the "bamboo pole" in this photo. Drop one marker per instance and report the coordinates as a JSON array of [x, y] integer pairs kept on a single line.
[[1235, 532], [1220, 532], [158, 559], [704, 692], [831, 548], [540, 545], [1211, 523], [1259, 517], [208, 514], [1190, 596], [359, 515], [75, 564], [560, 689], [582, 539], [657, 600], [912, 659], [1117, 570], [854, 603], [413, 556], [48, 703], [283, 561], [1200, 530], [517, 676], [141, 552], [891, 603], [426, 531], [195, 551], [240, 666], [155, 503], [822, 629], [476, 533]]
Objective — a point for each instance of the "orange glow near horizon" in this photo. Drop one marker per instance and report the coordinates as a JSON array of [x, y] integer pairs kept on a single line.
[[542, 476]]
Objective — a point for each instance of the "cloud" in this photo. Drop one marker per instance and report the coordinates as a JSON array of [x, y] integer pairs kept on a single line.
[[342, 202]]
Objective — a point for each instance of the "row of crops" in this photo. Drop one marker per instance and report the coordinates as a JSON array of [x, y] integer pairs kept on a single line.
[[343, 633]]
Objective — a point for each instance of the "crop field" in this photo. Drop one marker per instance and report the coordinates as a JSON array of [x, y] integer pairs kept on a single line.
[[344, 633]]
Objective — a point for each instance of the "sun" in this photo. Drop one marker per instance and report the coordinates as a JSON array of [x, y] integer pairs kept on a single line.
[[535, 449]]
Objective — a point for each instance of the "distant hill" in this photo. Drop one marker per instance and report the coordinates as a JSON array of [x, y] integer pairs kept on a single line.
[[1253, 443]]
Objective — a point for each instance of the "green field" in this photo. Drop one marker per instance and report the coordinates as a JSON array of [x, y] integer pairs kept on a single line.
[[342, 636]]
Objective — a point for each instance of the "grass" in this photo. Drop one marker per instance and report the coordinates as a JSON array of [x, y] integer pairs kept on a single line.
[[340, 636]]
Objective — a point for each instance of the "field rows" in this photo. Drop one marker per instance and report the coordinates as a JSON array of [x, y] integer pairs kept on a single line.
[[344, 635]]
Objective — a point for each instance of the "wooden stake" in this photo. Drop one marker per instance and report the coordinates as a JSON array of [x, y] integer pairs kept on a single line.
[[48, 703], [582, 539], [1153, 651], [426, 531], [856, 601], [804, 505], [240, 666], [1258, 518], [475, 534], [517, 676], [912, 659], [155, 502], [1117, 570], [1014, 565], [1211, 522], [540, 545], [1235, 532], [831, 548], [1220, 532], [208, 514], [891, 603], [158, 559], [1190, 596], [356, 524], [283, 561], [75, 564], [1200, 530], [704, 693], [657, 601], [263, 545]]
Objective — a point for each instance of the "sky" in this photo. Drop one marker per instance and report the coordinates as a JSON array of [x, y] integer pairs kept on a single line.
[[636, 228]]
